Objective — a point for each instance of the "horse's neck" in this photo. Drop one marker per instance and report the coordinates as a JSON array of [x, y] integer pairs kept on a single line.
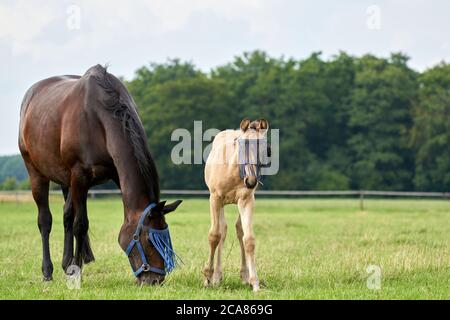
[[135, 193], [224, 149], [135, 190]]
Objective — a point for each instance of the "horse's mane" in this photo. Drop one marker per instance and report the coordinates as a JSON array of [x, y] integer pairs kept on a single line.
[[119, 102]]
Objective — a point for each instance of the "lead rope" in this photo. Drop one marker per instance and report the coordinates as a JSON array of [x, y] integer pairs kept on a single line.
[[231, 248]]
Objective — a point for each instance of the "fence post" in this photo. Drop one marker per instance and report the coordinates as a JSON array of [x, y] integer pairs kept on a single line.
[[361, 200]]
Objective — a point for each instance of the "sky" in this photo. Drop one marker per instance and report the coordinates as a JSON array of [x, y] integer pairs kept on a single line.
[[39, 39]]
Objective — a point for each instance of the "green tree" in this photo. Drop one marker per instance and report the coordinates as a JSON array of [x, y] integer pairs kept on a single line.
[[24, 185], [380, 120], [345, 122], [431, 134], [173, 96], [10, 183], [259, 88], [12, 166]]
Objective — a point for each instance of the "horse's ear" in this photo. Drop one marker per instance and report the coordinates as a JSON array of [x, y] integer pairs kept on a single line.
[[263, 124], [244, 124], [171, 207], [159, 207]]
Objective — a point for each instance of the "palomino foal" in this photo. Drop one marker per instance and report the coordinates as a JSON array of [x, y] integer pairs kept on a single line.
[[227, 185]]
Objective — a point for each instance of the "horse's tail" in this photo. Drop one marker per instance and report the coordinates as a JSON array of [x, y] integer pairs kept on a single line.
[[86, 252]]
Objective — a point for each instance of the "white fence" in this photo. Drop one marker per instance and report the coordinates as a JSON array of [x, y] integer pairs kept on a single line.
[[361, 194]]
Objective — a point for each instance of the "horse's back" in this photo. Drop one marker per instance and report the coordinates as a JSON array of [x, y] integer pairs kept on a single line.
[[42, 85], [42, 97], [62, 125], [42, 111]]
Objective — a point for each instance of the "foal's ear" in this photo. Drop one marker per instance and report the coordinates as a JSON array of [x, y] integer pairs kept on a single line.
[[244, 124], [171, 207], [263, 124]]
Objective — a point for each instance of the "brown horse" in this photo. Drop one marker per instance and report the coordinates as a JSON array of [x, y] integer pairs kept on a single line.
[[80, 132], [233, 181]]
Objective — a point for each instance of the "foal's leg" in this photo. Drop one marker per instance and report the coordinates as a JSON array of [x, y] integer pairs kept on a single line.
[[79, 187], [217, 276], [214, 236], [39, 188], [240, 235], [68, 229], [246, 212]]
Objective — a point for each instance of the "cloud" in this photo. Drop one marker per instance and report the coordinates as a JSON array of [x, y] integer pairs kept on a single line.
[[36, 40], [29, 28], [20, 23]]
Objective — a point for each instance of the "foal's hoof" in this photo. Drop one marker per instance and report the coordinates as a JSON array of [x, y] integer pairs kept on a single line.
[[47, 278], [244, 277], [207, 273], [254, 283], [216, 278]]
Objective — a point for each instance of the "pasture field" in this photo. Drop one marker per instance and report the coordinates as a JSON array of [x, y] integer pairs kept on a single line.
[[306, 249]]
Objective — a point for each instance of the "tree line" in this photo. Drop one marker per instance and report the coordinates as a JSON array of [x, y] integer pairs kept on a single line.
[[346, 122]]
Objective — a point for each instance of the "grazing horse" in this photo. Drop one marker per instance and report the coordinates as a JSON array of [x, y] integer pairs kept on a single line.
[[83, 131], [231, 180]]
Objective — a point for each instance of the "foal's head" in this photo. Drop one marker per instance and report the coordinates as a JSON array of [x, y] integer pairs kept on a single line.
[[254, 131], [148, 244]]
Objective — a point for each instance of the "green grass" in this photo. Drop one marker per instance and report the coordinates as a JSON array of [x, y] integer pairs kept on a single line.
[[306, 249]]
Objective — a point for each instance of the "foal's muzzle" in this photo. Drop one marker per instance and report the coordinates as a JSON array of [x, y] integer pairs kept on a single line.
[[253, 154], [250, 182]]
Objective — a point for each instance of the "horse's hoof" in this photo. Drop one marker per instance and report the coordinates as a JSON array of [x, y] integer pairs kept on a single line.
[[256, 287], [66, 263], [47, 278]]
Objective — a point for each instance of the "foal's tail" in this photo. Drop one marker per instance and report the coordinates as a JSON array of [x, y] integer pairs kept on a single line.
[[86, 252]]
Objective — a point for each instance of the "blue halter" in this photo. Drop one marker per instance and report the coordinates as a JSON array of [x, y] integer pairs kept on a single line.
[[160, 240]]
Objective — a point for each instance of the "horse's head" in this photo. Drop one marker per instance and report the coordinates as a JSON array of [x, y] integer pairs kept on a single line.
[[253, 150], [148, 245]]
